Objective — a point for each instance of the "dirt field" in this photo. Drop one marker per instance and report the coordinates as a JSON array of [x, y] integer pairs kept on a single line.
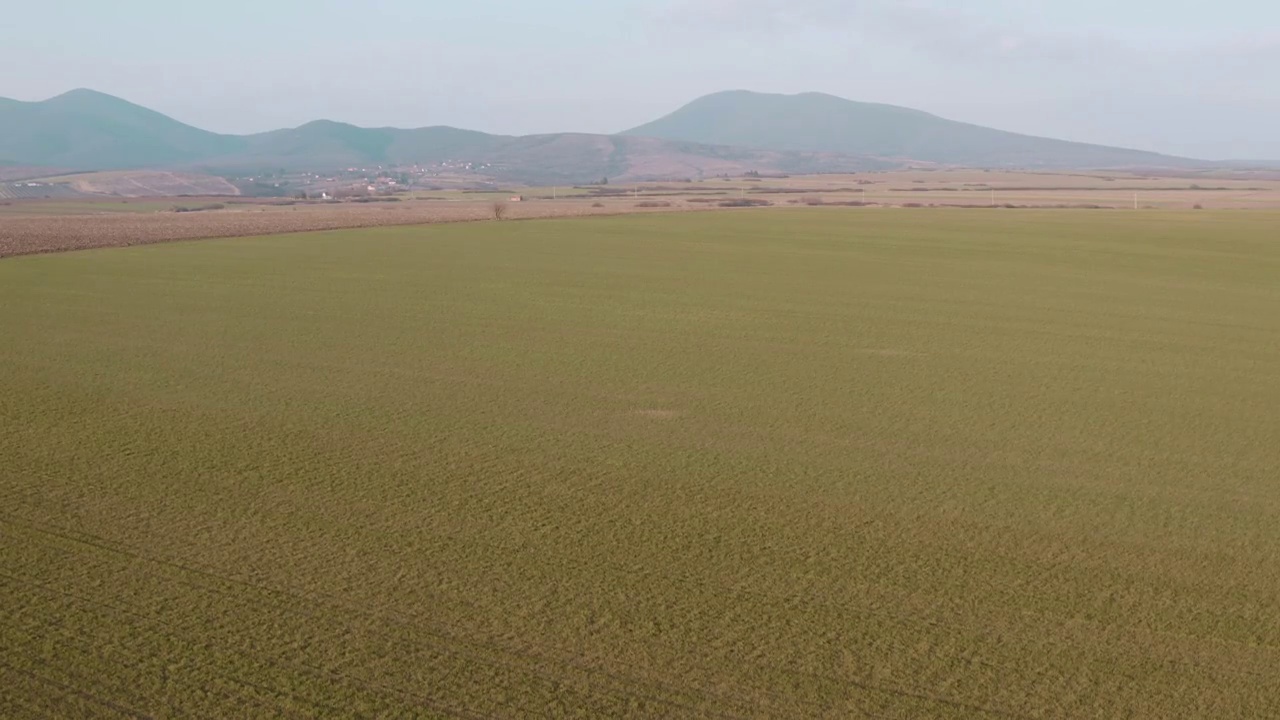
[[38, 226], [983, 188], [25, 234]]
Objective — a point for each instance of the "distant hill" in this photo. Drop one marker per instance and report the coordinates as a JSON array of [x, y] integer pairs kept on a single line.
[[328, 144], [85, 130], [816, 122], [88, 130], [732, 132], [558, 157]]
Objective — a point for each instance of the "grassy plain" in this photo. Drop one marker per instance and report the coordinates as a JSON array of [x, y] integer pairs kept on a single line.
[[784, 463]]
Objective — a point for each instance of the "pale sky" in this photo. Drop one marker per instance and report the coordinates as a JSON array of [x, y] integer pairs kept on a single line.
[[1191, 77]]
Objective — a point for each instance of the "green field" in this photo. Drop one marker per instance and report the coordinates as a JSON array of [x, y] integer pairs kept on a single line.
[[778, 463]]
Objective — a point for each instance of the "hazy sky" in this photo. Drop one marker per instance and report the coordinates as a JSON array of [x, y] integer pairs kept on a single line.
[[1194, 77]]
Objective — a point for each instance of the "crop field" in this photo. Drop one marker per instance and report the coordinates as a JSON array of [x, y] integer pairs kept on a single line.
[[818, 462]]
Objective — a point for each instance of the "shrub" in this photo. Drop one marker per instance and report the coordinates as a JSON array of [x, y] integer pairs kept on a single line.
[[653, 204], [745, 202], [597, 204], [499, 211]]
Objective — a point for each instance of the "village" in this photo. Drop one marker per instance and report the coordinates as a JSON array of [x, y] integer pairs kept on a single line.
[[367, 181]]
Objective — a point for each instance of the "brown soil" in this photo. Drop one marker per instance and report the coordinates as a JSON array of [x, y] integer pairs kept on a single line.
[[44, 233]]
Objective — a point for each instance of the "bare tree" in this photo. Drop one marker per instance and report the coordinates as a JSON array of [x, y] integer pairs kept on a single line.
[[499, 211]]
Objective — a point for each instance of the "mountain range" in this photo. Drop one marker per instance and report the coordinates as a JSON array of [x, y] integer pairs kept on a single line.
[[722, 133]]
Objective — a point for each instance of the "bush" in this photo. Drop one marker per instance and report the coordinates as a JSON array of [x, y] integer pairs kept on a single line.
[[499, 211], [597, 204], [745, 202], [653, 204]]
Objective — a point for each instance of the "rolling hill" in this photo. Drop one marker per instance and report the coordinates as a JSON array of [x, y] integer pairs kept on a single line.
[[730, 132], [816, 122], [558, 157], [86, 130], [89, 130]]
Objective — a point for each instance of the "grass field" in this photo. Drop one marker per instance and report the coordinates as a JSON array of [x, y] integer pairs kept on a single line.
[[777, 463]]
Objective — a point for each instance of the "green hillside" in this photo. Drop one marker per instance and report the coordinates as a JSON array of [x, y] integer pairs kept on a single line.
[[328, 144], [88, 130], [724, 133], [816, 122]]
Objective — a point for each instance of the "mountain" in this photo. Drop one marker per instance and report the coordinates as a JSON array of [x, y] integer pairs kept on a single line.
[[327, 144], [89, 130], [730, 133], [816, 122], [550, 158], [573, 157], [537, 159]]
